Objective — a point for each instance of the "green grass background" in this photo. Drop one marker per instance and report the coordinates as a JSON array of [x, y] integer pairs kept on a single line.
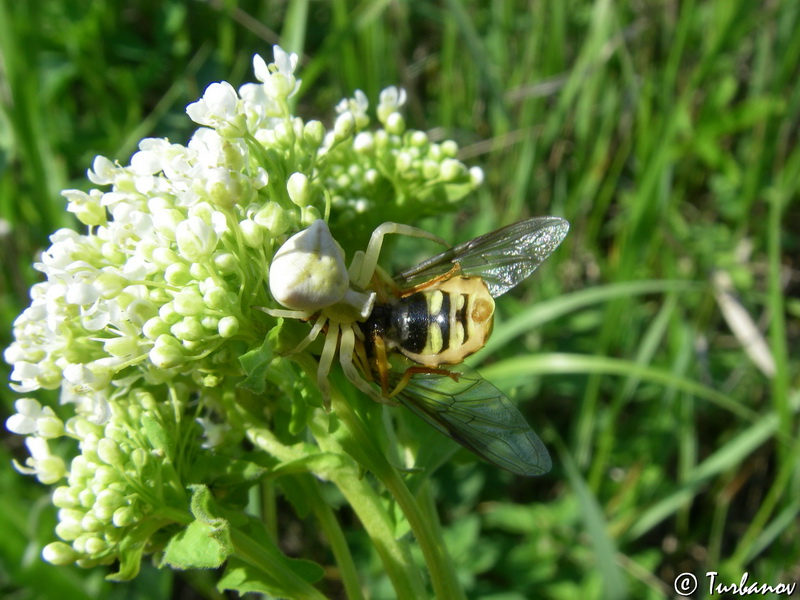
[[666, 132]]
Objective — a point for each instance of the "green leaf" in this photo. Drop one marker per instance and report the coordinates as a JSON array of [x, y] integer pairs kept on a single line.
[[255, 364], [157, 435], [199, 546], [204, 543]]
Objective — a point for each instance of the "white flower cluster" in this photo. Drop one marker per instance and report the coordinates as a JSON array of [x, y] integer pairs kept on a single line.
[[159, 293]]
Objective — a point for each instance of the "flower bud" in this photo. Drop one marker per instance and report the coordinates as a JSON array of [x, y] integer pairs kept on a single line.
[[314, 133], [167, 353], [252, 232], [449, 148], [154, 328], [216, 297], [166, 222], [109, 452], [110, 282], [395, 123], [189, 329], [344, 127], [164, 257], [476, 176], [189, 302], [226, 263], [121, 346], [298, 189], [452, 169], [309, 215], [228, 326], [124, 516], [59, 553], [196, 239], [274, 218]]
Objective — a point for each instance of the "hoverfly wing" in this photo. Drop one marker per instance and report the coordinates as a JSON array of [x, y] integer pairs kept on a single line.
[[502, 258], [478, 416]]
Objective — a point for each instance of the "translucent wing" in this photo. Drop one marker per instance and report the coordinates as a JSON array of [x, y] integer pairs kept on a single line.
[[478, 416], [502, 258]]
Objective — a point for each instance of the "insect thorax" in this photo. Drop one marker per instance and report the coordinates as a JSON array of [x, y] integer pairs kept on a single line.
[[440, 325]]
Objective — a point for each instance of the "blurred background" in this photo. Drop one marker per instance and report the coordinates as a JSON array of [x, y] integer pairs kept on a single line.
[[656, 352]]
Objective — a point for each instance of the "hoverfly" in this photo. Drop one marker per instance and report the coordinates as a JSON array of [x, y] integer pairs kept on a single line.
[[410, 334]]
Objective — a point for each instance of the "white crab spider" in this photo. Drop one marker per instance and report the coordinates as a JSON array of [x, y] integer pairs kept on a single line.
[[308, 276]]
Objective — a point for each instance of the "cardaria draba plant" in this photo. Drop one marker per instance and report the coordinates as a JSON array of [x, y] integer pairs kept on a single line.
[[174, 402]]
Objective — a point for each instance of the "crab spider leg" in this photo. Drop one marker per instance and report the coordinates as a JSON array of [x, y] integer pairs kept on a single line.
[[286, 314], [326, 359], [346, 353], [312, 335], [370, 258]]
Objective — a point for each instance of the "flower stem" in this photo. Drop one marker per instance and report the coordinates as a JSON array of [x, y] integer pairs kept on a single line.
[[443, 577]]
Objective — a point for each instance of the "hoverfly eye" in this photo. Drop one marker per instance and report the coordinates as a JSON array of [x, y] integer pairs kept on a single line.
[[482, 311]]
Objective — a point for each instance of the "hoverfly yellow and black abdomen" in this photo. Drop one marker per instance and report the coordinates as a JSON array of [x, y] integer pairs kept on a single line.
[[440, 325]]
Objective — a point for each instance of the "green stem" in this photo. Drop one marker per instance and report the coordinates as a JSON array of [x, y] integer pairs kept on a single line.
[[366, 503], [250, 551], [443, 577], [335, 536]]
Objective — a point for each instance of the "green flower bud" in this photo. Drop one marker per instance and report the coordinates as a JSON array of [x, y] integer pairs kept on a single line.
[[168, 314], [95, 545], [139, 458], [110, 498], [252, 232], [86, 497], [198, 271], [274, 218], [110, 282], [121, 346], [166, 222], [189, 329], [165, 257], [216, 297], [65, 497], [69, 530], [314, 133], [124, 516], [452, 169], [226, 263], [167, 353], [228, 326], [309, 215], [189, 302], [49, 427], [449, 148], [396, 124], [196, 239], [155, 327], [59, 553], [177, 274], [109, 452], [298, 189], [344, 127]]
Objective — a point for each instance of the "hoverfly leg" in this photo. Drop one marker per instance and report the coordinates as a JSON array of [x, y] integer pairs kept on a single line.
[[411, 371]]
